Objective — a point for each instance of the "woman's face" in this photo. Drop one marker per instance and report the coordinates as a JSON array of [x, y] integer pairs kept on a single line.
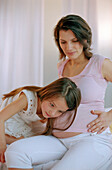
[[71, 47], [53, 107]]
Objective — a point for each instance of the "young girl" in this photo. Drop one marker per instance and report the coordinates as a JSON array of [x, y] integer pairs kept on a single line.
[[30, 110]]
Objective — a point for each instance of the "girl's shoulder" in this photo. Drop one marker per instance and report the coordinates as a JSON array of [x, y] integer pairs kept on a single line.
[[29, 94]]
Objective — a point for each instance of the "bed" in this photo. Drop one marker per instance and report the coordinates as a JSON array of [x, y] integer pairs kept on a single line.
[[49, 165]]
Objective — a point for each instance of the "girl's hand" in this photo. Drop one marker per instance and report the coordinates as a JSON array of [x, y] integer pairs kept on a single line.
[[11, 139], [2, 158], [101, 123], [2, 151]]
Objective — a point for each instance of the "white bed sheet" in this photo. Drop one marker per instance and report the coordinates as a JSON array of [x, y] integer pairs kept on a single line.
[[46, 166]]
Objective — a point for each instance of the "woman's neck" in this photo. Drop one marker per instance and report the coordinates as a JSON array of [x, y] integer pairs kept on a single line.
[[78, 61]]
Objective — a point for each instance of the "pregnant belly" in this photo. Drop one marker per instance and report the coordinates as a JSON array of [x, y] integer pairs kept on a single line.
[[84, 117]]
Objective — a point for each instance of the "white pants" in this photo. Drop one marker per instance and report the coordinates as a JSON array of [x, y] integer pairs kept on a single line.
[[82, 152]]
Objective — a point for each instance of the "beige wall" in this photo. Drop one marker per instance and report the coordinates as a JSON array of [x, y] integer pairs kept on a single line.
[[52, 13]]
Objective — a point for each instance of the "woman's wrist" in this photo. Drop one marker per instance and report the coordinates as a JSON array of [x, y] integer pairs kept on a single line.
[[110, 116]]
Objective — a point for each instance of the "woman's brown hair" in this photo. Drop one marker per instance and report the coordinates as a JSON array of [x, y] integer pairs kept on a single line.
[[81, 30]]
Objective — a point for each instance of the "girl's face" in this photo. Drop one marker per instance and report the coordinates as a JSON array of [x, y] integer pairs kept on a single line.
[[53, 107], [71, 47]]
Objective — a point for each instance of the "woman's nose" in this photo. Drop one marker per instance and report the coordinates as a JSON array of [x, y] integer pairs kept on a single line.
[[69, 46]]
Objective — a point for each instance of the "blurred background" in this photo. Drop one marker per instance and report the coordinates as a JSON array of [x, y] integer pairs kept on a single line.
[[28, 54]]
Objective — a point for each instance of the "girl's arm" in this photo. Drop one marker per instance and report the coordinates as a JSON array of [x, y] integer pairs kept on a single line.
[[2, 141], [11, 139], [16, 106], [10, 110]]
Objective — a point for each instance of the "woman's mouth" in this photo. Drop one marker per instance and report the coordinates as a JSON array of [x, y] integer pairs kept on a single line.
[[70, 53]]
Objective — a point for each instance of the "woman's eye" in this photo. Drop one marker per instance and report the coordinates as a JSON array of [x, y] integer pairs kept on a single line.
[[63, 42], [60, 111], [75, 40]]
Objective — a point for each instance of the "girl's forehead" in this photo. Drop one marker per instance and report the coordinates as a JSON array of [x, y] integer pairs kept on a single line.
[[60, 103], [56, 98]]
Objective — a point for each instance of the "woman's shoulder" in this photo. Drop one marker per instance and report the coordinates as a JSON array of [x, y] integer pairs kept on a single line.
[[98, 57], [97, 60], [61, 63], [60, 66]]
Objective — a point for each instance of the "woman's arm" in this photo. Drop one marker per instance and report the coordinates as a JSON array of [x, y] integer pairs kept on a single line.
[[104, 118], [107, 70], [101, 123], [6, 113]]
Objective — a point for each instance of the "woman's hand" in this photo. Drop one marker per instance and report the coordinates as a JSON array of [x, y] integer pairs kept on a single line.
[[101, 123]]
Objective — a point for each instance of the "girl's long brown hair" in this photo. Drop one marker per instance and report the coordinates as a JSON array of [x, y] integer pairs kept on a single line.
[[62, 87]]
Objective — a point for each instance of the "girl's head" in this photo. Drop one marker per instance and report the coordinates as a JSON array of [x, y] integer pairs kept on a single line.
[[60, 88], [58, 97], [80, 29], [61, 95], [54, 107]]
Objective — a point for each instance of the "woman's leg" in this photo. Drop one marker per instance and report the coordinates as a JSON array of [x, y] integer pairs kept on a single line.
[[90, 153], [25, 153]]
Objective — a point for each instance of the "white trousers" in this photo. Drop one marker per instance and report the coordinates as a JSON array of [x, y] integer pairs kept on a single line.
[[82, 152]]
